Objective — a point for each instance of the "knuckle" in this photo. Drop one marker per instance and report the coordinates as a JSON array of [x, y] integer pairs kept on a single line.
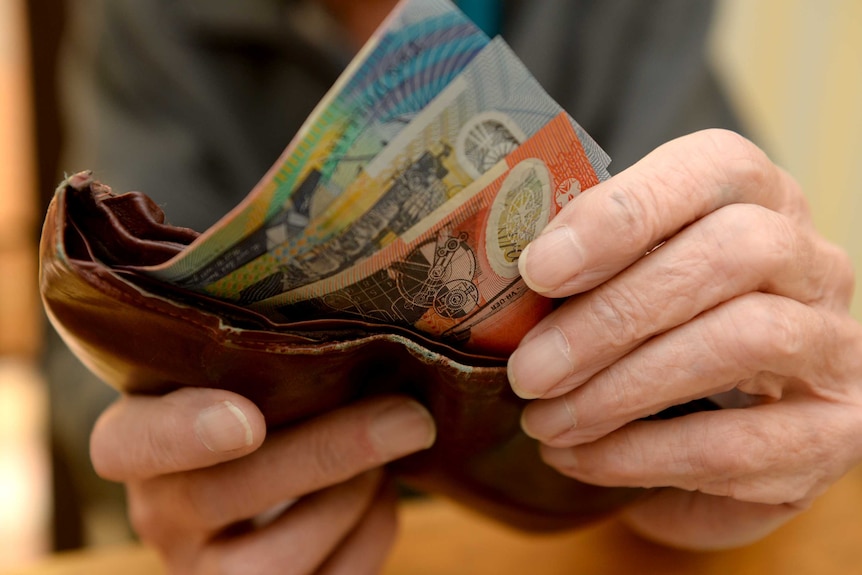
[[732, 144], [803, 485], [758, 331], [146, 517], [203, 502], [727, 471], [741, 161], [615, 398], [185, 500], [774, 331], [780, 255], [616, 310], [747, 174], [758, 465], [816, 460], [839, 283], [845, 270], [745, 442], [336, 456], [146, 523], [154, 446], [762, 240], [632, 216]]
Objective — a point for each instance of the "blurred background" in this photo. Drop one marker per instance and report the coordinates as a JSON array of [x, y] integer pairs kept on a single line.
[[792, 67]]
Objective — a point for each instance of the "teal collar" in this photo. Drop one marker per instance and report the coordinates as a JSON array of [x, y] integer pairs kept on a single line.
[[487, 14]]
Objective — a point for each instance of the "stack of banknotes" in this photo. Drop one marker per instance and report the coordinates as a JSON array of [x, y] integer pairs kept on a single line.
[[408, 194]]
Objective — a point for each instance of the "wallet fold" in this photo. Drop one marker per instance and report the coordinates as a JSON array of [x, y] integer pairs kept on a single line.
[[143, 336]]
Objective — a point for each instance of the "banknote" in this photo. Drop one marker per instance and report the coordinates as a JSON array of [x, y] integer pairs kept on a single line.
[[414, 54], [481, 116], [455, 275]]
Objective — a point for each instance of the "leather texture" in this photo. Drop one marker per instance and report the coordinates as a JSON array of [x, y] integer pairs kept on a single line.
[[142, 336]]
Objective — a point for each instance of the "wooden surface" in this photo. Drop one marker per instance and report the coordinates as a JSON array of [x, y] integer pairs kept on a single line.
[[440, 538]]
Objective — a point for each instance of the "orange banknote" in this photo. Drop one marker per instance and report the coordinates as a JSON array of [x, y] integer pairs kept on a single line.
[[454, 276]]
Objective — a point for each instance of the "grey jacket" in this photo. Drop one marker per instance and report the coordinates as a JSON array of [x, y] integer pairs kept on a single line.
[[191, 101]]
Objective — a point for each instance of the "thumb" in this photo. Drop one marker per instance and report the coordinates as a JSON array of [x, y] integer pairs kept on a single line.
[[139, 437]]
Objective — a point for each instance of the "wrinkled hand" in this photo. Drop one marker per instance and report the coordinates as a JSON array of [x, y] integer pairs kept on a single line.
[[742, 296], [212, 496]]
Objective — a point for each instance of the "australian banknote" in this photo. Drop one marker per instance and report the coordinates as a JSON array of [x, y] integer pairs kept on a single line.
[[474, 123], [415, 53], [455, 276]]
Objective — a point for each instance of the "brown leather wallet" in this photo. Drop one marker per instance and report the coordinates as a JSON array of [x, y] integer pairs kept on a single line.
[[143, 336]]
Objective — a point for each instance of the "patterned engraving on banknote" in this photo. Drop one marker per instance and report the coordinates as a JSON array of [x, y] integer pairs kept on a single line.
[[486, 139], [566, 192], [279, 229], [519, 212], [414, 192], [456, 299], [437, 274]]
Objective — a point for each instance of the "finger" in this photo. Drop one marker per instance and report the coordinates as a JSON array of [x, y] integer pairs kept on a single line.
[[144, 436], [766, 345], [785, 452], [615, 223], [292, 463], [364, 551], [693, 520], [302, 538], [735, 250]]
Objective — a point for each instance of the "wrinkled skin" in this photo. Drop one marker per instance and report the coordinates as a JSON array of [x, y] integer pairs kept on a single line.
[[694, 273], [216, 495], [742, 296]]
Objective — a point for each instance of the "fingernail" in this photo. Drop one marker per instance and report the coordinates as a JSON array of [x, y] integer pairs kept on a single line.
[[223, 427], [551, 259], [403, 428], [547, 420], [540, 364]]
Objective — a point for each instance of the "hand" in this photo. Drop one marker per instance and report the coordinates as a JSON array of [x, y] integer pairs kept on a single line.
[[212, 496], [697, 272]]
